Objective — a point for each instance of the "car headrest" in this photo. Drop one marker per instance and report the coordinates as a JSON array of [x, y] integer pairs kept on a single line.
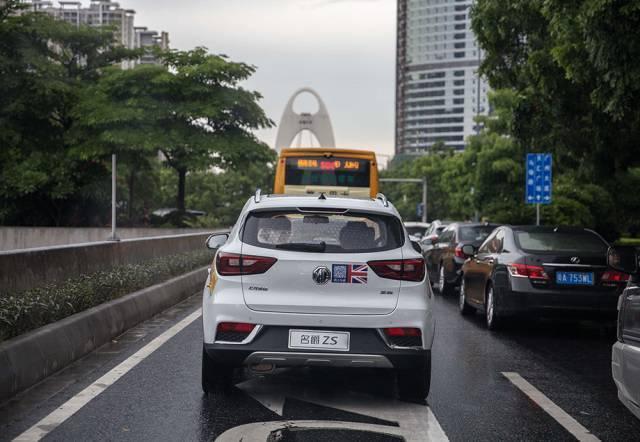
[[357, 235]]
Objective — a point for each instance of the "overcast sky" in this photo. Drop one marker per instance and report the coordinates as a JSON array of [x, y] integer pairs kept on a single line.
[[344, 49]]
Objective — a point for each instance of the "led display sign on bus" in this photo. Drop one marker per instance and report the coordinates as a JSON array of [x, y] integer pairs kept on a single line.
[[328, 164]]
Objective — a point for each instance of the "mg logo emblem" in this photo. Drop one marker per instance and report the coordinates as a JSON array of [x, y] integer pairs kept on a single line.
[[575, 260], [321, 275]]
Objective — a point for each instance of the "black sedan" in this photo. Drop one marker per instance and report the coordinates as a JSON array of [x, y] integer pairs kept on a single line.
[[542, 270], [444, 260]]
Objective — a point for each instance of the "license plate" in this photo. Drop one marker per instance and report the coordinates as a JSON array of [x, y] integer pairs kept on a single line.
[[574, 278], [319, 339]]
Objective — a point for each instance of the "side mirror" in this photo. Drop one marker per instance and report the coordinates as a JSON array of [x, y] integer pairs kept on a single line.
[[623, 259], [468, 250], [216, 240], [416, 246]]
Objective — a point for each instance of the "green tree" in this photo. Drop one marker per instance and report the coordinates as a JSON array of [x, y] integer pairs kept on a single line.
[[191, 109], [576, 69], [44, 65], [488, 178]]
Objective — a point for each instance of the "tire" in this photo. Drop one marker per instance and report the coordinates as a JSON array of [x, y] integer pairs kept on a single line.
[[463, 306], [493, 319], [443, 286], [216, 378], [432, 281], [414, 383]]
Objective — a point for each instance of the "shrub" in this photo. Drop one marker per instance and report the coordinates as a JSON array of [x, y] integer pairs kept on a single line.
[[33, 308]]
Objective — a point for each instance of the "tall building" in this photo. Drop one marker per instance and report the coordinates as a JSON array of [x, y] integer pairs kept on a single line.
[[145, 38], [106, 13], [438, 91]]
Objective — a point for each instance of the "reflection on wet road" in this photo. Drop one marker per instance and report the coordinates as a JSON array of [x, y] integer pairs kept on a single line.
[[159, 397]]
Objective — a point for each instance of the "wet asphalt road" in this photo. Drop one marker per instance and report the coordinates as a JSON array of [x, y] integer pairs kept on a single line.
[[161, 399]]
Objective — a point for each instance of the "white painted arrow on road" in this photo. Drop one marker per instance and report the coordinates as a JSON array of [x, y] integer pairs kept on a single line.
[[415, 422]]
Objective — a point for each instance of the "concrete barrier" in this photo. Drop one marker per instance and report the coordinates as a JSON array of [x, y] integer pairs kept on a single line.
[[25, 269], [29, 358], [14, 238]]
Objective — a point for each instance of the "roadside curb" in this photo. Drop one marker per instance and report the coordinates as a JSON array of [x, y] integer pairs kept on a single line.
[[27, 359]]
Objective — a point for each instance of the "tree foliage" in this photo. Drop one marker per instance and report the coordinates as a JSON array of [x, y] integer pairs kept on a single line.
[[191, 109], [575, 66], [44, 64], [488, 178], [66, 106]]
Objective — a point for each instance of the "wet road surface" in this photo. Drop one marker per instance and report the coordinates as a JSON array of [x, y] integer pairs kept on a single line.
[[159, 397]]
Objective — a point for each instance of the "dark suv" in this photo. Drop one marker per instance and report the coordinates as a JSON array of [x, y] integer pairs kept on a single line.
[[444, 260]]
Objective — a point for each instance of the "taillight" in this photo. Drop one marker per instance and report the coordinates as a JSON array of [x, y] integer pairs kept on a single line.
[[403, 336], [231, 264], [614, 276], [527, 271], [402, 331], [459, 253], [235, 327], [233, 331], [402, 269]]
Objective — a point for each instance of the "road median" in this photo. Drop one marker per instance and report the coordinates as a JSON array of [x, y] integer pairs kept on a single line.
[[27, 359]]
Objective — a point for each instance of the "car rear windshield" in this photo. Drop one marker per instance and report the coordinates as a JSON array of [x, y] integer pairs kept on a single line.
[[474, 233], [351, 232], [415, 230], [560, 242]]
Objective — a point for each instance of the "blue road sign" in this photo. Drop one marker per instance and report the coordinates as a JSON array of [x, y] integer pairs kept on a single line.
[[538, 183]]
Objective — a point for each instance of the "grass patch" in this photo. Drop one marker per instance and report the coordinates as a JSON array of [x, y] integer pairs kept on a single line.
[[33, 308]]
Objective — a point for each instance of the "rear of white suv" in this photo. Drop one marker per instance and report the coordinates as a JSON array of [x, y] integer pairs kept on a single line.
[[307, 281]]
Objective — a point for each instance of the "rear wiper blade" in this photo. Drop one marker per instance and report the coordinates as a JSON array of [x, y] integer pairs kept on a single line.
[[304, 246]]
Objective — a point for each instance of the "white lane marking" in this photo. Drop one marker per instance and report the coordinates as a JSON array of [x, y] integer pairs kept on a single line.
[[73, 405], [562, 417], [416, 422]]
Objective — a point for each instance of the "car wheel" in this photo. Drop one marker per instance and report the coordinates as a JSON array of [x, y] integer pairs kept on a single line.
[[414, 383], [493, 319], [216, 378], [464, 307], [443, 286]]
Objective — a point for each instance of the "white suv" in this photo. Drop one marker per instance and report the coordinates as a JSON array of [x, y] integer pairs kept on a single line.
[[317, 281]]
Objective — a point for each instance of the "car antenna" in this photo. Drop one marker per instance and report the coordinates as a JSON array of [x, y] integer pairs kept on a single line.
[[322, 196]]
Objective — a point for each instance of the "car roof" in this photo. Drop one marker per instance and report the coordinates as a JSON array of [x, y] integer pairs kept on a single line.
[[532, 228], [473, 224], [416, 224], [314, 201]]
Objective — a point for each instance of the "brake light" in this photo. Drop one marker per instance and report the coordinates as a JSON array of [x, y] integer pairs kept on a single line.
[[232, 264], [459, 253], [614, 276], [235, 327], [527, 271], [393, 332], [402, 269]]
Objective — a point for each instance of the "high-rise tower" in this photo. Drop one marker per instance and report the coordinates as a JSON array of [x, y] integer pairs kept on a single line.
[[438, 91]]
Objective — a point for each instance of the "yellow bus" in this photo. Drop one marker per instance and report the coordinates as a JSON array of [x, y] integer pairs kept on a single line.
[[346, 172]]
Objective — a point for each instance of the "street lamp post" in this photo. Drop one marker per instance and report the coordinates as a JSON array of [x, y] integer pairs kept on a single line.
[[423, 181], [113, 236]]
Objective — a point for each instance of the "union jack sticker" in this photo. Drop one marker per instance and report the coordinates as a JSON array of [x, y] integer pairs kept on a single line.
[[349, 273]]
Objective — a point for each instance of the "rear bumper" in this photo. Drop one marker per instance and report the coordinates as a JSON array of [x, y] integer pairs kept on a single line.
[[521, 297], [367, 349]]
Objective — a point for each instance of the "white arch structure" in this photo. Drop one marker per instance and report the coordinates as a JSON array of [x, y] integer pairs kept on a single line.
[[292, 123]]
